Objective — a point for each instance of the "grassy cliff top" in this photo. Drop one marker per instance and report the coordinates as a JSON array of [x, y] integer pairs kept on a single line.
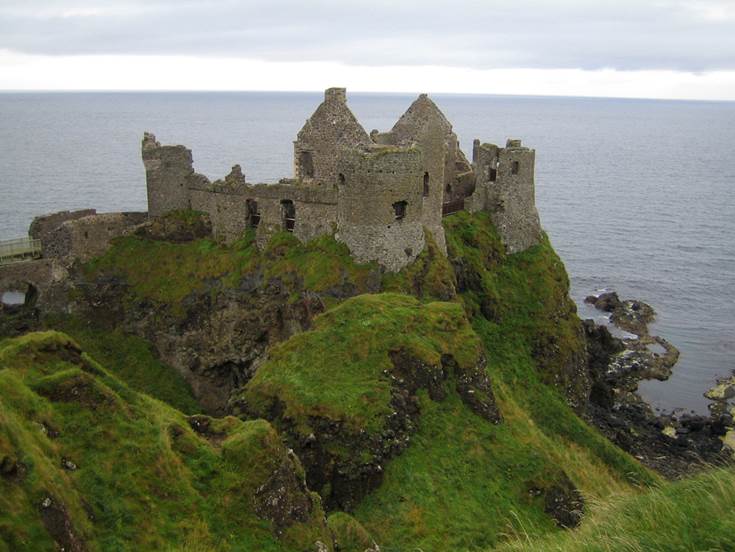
[[341, 369]]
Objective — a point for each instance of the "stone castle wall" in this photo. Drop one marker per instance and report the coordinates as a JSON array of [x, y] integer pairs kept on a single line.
[[349, 183], [380, 205], [233, 211], [330, 130], [88, 237], [43, 227]]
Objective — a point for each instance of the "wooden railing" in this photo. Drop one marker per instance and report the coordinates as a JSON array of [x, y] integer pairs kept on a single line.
[[20, 249]]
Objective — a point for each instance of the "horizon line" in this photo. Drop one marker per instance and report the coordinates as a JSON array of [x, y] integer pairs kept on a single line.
[[350, 91]]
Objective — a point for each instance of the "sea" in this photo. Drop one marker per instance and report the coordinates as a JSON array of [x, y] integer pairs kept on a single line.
[[637, 196]]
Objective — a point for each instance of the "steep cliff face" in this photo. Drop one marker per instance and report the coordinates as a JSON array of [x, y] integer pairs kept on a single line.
[[211, 311], [521, 299]]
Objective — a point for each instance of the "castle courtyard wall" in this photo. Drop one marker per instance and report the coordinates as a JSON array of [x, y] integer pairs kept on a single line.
[[315, 210]]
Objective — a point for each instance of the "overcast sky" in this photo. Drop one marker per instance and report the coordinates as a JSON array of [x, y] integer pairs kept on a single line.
[[656, 48]]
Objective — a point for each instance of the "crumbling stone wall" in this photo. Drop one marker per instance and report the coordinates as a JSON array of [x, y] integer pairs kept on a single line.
[[42, 227], [88, 237], [424, 123], [169, 174], [228, 208], [351, 183], [48, 277]]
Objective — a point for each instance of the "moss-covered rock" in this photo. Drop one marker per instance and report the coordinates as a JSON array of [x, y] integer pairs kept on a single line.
[[345, 392]]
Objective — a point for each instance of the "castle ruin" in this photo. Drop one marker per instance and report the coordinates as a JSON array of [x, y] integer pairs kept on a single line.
[[379, 193]]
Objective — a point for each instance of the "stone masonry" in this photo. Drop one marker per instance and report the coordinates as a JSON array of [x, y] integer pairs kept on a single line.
[[379, 193]]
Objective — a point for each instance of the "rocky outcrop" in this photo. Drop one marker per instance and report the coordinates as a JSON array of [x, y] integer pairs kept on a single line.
[[347, 464], [672, 445]]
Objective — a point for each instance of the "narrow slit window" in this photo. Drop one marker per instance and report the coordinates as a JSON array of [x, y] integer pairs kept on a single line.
[[341, 179], [493, 174], [288, 213], [426, 184], [253, 213], [515, 167]]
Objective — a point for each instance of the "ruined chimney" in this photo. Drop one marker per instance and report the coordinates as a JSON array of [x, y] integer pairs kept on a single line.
[[335, 95]]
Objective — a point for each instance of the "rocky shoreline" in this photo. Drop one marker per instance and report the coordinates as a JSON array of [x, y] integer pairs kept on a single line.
[[674, 445]]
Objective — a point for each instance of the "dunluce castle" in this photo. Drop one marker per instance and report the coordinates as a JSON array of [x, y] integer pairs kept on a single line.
[[382, 194], [379, 193]]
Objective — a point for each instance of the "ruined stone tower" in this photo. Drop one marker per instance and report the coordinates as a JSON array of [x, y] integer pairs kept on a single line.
[[381, 194], [504, 187]]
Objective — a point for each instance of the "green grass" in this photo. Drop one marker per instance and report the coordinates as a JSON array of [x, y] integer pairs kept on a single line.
[[339, 369], [533, 336], [429, 277], [145, 480], [694, 514], [349, 535], [132, 360], [463, 483], [165, 273]]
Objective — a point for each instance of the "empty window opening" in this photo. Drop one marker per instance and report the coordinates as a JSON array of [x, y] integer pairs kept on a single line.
[[515, 167], [252, 213], [341, 179], [19, 295], [426, 184], [448, 189], [306, 165], [399, 207], [13, 298], [492, 174], [288, 213]]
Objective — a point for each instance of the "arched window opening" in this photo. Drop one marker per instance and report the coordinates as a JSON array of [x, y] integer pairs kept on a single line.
[[426, 184], [252, 213], [288, 214], [399, 207], [18, 295]]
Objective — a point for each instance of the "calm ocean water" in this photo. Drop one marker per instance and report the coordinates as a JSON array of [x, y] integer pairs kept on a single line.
[[636, 195]]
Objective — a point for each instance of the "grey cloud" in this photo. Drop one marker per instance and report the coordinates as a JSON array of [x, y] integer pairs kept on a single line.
[[627, 34]]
